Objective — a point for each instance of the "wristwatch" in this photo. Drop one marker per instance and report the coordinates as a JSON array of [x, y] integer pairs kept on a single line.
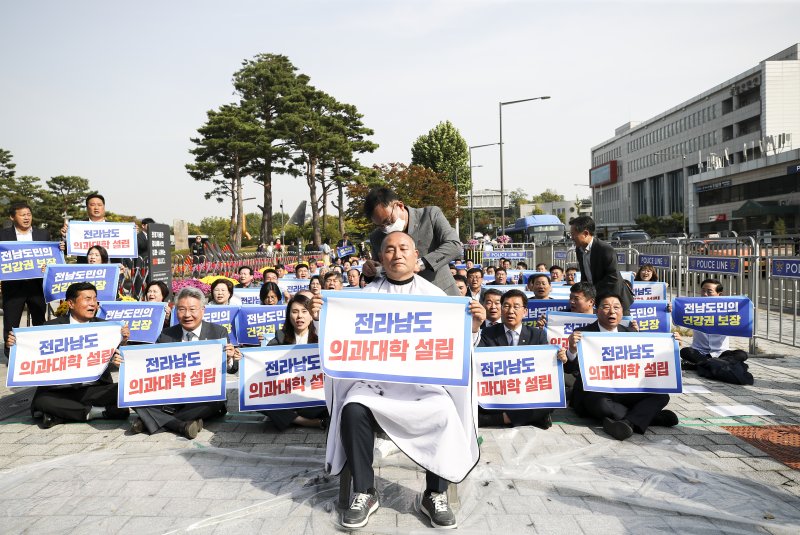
[[421, 264]]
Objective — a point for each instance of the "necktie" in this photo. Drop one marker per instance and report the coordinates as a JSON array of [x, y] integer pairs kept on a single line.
[[587, 268], [511, 337], [189, 336]]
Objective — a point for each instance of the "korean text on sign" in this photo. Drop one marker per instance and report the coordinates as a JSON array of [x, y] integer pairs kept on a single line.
[[560, 325], [145, 320], [26, 260], [264, 320], [281, 377], [396, 338], [651, 316], [519, 377], [630, 362], [59, 277], [119, 239], [62, 354], [649, 291], [163, 374], [729, 315]]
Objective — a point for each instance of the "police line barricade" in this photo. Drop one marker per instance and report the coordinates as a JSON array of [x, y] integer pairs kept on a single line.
[[254, 320], [145, 320], [219, 315], [166, 374], [396, 338], [519, 377], [20, 260], [630, 363], [281, 377], [540, 307], [723, 315], [248, 296], [62, 354], [650, 291], [119, 239], [58, 277], [783, 281]]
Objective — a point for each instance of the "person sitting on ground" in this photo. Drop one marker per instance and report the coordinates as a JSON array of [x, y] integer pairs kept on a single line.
[[270, 275], [511, 332], [556, 273], [541, 267], [490, 270], [710, 354], [297, 329], [461, 284], [157, 291], [621, 414], [475, 289], [333, 281], [646, 273], [352, 277], [581, 301], [301, 271], [187, 419], [83, 401], [270, 294], [539, 284], [315, 284], [569, 275], [492, 303], [500, 277], [97, 254], [222, 293], [522, 265]]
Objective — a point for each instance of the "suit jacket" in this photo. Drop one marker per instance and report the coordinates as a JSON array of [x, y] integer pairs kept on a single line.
[[572, 366], [495, 336], [605, 275], [208, 331], [437, 243], [106, 377], [22, 287]]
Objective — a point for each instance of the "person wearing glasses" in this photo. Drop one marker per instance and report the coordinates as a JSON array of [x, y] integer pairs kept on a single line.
[[621, 414], [511, 332]]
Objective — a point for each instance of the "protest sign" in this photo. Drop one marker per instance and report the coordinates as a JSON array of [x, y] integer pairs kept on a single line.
[[248, 296], [145, 320], [630, 362], [218, 315], [265, 320], [562, 324], [281, 377], [21, 260], [539, 307], [519, 377], [292, 285], [119, 239], [59, 277], [165, 374], [727, 315], [347, 250], [651, 316], [62, 354], [396, 338], [649, 291]]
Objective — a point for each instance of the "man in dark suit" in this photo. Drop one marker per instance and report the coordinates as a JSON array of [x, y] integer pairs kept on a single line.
[[511, 332], [344, 242], [597, 261], [17, 294], [622, 414], [491, 302], [475, 289], [436, 241], [84, 401], [187, 419]]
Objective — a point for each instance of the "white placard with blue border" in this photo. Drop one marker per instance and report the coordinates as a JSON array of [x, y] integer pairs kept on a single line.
[[119, 239], [265, 320], [630, 363], [292, 286], [218, 315], [21, 260], [560, 325], [59, 277], [539, 307], [652, 316], [249, 296], [62, 354], [649, 291], [167, 374], [519, 377], [396, 338], [281, 377], [145, 320]]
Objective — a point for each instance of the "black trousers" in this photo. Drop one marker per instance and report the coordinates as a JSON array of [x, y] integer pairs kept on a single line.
[[16, 294], [695, 357], [174, 417], [522, 416], [638, 409], [283, 418], [358, 427], [73, 403]]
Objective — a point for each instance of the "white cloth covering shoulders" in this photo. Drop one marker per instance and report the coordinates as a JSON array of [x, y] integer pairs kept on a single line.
[[433, 425]]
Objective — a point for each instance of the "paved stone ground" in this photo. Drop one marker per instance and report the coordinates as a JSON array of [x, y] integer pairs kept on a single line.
[[240, 476]]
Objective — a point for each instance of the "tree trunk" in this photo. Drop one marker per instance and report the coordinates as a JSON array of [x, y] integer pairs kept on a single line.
[[340, 189], [311, 179], [232, 226], [324, 198], [266, 215], [237, 237]]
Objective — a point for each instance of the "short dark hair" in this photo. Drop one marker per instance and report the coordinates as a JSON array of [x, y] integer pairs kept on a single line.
[[21, 205], [279, 266], [147, 220], [500, 268], [101, 250], [492, 291], [605, 296], [522, 264], [470, 271], [584, 287], [161, 286], [269, 287], [713, 281], [77, 287], [330, 275], [556, 267], [239, 271], [380, 195], [269, 270], [461, 278], [537, 275], [95, 196], [514, 293], [301, 265], [583, 222]]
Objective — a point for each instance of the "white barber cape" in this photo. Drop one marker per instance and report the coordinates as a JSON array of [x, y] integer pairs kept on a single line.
[[433, 425]]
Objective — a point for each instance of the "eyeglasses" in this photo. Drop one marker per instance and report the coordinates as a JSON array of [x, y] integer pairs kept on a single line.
[[184, 310], [388, 221], [515, 308], [609, 308]]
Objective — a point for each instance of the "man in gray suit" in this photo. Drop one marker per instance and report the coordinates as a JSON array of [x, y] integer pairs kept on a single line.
[[187, 419], [436, 241]]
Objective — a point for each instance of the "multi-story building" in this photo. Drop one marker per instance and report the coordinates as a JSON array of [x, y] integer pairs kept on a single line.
[[728, 158]]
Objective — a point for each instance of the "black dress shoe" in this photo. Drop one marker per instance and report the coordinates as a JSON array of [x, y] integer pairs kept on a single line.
[[192, 428], [115, 413], [137, 426], [619, 429], [665, 418], [545, 423], [490, 419], [48, 421]]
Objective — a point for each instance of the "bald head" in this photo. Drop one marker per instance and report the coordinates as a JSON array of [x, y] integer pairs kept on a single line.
[[399, 256]]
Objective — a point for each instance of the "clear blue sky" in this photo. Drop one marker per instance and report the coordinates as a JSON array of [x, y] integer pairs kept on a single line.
[[112, 91]]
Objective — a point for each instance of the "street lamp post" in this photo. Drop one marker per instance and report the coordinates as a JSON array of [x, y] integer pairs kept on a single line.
[[472, 185], [502, 188]]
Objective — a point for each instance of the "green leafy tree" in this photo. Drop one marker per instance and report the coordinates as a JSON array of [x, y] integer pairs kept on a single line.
[[273, 92], [14, 188], [445, 151], [63, 199], [548, 195]]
